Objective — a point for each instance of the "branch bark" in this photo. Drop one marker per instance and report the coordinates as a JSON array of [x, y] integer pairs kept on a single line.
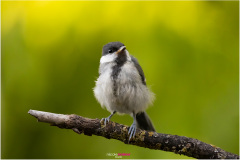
[[166, 142]]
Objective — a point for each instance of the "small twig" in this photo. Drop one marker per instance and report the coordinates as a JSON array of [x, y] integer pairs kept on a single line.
[[172, 143]]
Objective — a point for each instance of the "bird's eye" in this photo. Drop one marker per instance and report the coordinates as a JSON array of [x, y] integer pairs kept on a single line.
[[110, 51]]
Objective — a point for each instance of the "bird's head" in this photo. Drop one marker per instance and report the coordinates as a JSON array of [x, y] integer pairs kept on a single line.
[[114, 51]]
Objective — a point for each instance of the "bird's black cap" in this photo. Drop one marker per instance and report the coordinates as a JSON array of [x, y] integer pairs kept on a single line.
[[111, 47]]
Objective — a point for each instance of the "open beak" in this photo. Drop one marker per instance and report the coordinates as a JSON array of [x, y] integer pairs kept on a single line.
[[121, 49]]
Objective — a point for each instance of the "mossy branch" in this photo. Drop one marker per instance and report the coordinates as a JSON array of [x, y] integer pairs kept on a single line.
[[166, 142]]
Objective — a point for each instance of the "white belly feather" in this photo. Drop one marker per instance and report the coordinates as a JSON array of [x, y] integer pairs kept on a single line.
[[131, 94]]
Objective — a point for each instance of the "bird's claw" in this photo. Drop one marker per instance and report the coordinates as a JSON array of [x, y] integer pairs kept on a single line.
[[105, 120], [132, 131]]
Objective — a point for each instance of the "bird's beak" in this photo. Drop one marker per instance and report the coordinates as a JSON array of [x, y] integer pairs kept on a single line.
[[121, 49]]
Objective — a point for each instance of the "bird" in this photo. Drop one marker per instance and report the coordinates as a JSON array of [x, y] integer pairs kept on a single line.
[[121, 87]]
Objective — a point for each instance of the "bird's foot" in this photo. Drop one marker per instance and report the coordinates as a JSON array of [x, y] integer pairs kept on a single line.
[[132, 131], [105, 120]]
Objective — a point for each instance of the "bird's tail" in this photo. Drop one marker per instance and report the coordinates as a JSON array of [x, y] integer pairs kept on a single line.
[[144, 122]]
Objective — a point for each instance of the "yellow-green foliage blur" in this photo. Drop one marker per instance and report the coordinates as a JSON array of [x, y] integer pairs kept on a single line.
[[50, 58]]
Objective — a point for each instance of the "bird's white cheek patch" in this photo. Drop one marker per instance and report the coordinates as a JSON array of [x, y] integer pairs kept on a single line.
[[108, 58], [128, 56]]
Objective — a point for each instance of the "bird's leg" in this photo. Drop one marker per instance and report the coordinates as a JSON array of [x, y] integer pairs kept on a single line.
[[106, 120], [132, 129]]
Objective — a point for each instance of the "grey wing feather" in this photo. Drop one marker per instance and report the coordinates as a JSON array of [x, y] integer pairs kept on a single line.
[[139, 68]]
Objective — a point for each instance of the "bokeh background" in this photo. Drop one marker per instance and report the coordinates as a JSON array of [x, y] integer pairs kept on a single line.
[[50, 58]]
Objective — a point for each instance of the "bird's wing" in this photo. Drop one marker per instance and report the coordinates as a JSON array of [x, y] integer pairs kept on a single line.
[[139, 68]]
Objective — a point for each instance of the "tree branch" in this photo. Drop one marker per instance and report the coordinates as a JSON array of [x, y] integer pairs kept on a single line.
[[166, 142]]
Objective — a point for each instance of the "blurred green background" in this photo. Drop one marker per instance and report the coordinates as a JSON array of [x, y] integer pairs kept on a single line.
[[50, 58]]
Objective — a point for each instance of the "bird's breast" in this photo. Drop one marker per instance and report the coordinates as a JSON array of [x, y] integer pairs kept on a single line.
[[121, 89], [126, 75]]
